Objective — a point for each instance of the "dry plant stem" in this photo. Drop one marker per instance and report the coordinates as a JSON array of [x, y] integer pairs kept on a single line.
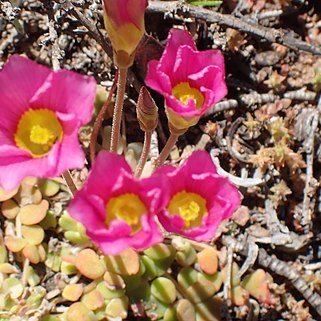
[[70, 182], [121, 86], [18, 226], [280, 268], [227, 283], [123, 134], [145, 153], [185, 10], [26, 265], [154, 152], [99, 120], [166, 150], [310, 181]]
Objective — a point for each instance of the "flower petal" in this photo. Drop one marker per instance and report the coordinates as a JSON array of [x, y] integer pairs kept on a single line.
[[19, 166], [107, 170], [110, 178], [176, 39], [67, 92], [20, 78], [198, 175], [157, 79]]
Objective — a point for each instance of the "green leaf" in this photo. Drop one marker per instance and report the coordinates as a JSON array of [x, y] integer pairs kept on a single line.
[[205, 3]]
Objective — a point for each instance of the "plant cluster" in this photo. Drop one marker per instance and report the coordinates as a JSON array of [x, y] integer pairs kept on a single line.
[[42, 120], [175, 280], [126, 257]]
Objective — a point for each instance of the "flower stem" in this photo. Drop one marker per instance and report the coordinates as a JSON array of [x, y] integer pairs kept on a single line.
[[26, 264], [166, 150], [145, 152], [99, 120], [70, 182], [121, 86]]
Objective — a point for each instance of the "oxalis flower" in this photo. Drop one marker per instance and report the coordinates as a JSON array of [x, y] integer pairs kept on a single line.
[[124, 23], [41, 112], [116, 208], [199, 198], [191, 81]]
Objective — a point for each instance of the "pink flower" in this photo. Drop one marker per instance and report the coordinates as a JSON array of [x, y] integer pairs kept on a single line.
[[116, 208], [124, 22], [41, 112], [191, 81], [199, 200]]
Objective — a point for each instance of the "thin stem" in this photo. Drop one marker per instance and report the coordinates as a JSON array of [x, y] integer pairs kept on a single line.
[[145, 153], [18, 226], [26, 264], [70, 182], [166, 150], [121, 86], [99, 120]]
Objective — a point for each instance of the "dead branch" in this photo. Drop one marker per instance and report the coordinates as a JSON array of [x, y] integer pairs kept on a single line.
[[310, 182], [255, 98], [270, 34], [280, 268], [56, 52], [91, 27]]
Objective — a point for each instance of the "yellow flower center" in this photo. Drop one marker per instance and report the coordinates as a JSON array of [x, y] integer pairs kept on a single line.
[[184, 92], [37, 131], [191, 207], [127, 207]]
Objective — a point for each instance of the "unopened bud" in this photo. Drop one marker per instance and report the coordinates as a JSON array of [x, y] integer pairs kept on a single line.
[[125, 25], [147, 111]]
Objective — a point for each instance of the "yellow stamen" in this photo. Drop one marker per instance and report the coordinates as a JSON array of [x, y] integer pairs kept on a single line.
[[37, 131], [127, 207], [184, 92], [41, 135], [190, 206]]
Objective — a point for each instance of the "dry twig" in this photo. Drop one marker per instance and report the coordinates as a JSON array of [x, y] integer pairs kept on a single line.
[[280, 268], [270, 34], [310, 182]]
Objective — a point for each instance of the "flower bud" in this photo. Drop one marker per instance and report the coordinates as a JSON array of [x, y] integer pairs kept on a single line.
[[147, 111], [124, 23]]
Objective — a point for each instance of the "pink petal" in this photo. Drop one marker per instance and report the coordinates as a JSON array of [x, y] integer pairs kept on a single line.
[[71, 155], [111, 177], [125, 11], [12, 173], [181, 62], [198, 175], [190, 61], [176, 39], [94, 208], [157, 79], [136, 10], [67, 92], [154, 193], [185, 111], [118, 237], [148, 235], [210, 79], [20, 78], [108, 169]]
